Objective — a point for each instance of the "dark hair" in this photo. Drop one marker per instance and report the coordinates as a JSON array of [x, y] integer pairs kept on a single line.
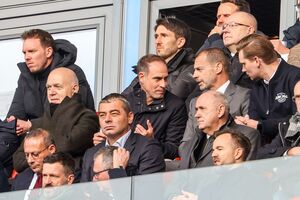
[[45, 37], [143, 63], [107, 156], [64, 159], [47, 138], [116, 96], [243, 5], [215, 55], [239, 140], [257, 45], [177, 26]]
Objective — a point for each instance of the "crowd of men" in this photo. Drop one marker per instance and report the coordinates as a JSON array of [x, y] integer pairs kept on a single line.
[[234, 100]]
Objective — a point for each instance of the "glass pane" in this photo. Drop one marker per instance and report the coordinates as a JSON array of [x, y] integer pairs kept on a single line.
[[84, 40], [119, 189], [266, 179]]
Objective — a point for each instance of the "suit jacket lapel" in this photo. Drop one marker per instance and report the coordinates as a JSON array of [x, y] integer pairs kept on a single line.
[[208, 147], [229, 92], [129, 144]]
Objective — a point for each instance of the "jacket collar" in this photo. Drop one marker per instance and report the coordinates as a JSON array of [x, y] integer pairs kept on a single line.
[[156, 105]]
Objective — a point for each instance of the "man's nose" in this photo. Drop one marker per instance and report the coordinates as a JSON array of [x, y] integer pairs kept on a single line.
[[163, 83], [27, 56], [46, 180]]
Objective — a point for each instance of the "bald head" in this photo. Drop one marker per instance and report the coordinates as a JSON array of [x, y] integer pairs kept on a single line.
[[61, 82], [236, 27], [211, 111]]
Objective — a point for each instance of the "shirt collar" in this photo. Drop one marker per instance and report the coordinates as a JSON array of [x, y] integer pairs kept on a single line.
[[121, 141], [223, 87], [268, 81]]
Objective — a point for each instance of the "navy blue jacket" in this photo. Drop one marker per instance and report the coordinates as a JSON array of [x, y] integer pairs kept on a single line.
[[272, 103]]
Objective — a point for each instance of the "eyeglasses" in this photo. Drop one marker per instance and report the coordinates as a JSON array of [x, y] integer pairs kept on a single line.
[[34, 155], [296, 97], [233, 24], [96, 174]]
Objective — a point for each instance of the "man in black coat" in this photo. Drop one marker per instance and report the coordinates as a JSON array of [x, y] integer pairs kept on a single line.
[[271, 95], [115, 117], [172, 37], [157, 113], [287, 142], [43, 54], [71, 124]]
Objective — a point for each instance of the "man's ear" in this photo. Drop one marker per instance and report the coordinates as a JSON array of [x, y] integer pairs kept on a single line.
[[75, 88], [180, 42], [251, 30], [52, 148], [130, 117], [238, 153], [49, 52], [219, 67], [141, 76], [221, 110], [70, 179]]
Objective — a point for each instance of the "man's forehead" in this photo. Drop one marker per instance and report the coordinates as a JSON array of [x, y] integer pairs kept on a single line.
[[115, 105]]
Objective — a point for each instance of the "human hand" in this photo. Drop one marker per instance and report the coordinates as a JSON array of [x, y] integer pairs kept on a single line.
[[120, 158], [186, 196], [145, 132], [216, 29], [294, 151], [246, 121], [98, 137], [10, 118], [22, 126]]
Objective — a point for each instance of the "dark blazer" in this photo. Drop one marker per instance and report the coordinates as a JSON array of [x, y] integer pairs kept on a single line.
[[238, 98], [146, 157], [23, 180], [206, 158]]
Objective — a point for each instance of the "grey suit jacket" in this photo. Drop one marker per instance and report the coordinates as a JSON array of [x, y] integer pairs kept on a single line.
[[238, 98], [205, 159]]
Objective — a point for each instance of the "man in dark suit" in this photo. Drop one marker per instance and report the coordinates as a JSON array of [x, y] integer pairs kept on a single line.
[[212, 113], [211, 73], [38, 144], [115, 117]]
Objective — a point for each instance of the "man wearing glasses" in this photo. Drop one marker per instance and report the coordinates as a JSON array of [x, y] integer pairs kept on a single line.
[[38, 144], [110, 162], [237, 26], [287, 142]]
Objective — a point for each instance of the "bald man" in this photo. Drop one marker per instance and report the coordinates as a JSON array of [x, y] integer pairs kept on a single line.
[[235, 27], [70, 123]]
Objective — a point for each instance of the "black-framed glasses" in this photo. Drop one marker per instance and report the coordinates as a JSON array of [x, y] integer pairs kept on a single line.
[[96, 174], [296, 97], [233, 24], [35, 155]]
